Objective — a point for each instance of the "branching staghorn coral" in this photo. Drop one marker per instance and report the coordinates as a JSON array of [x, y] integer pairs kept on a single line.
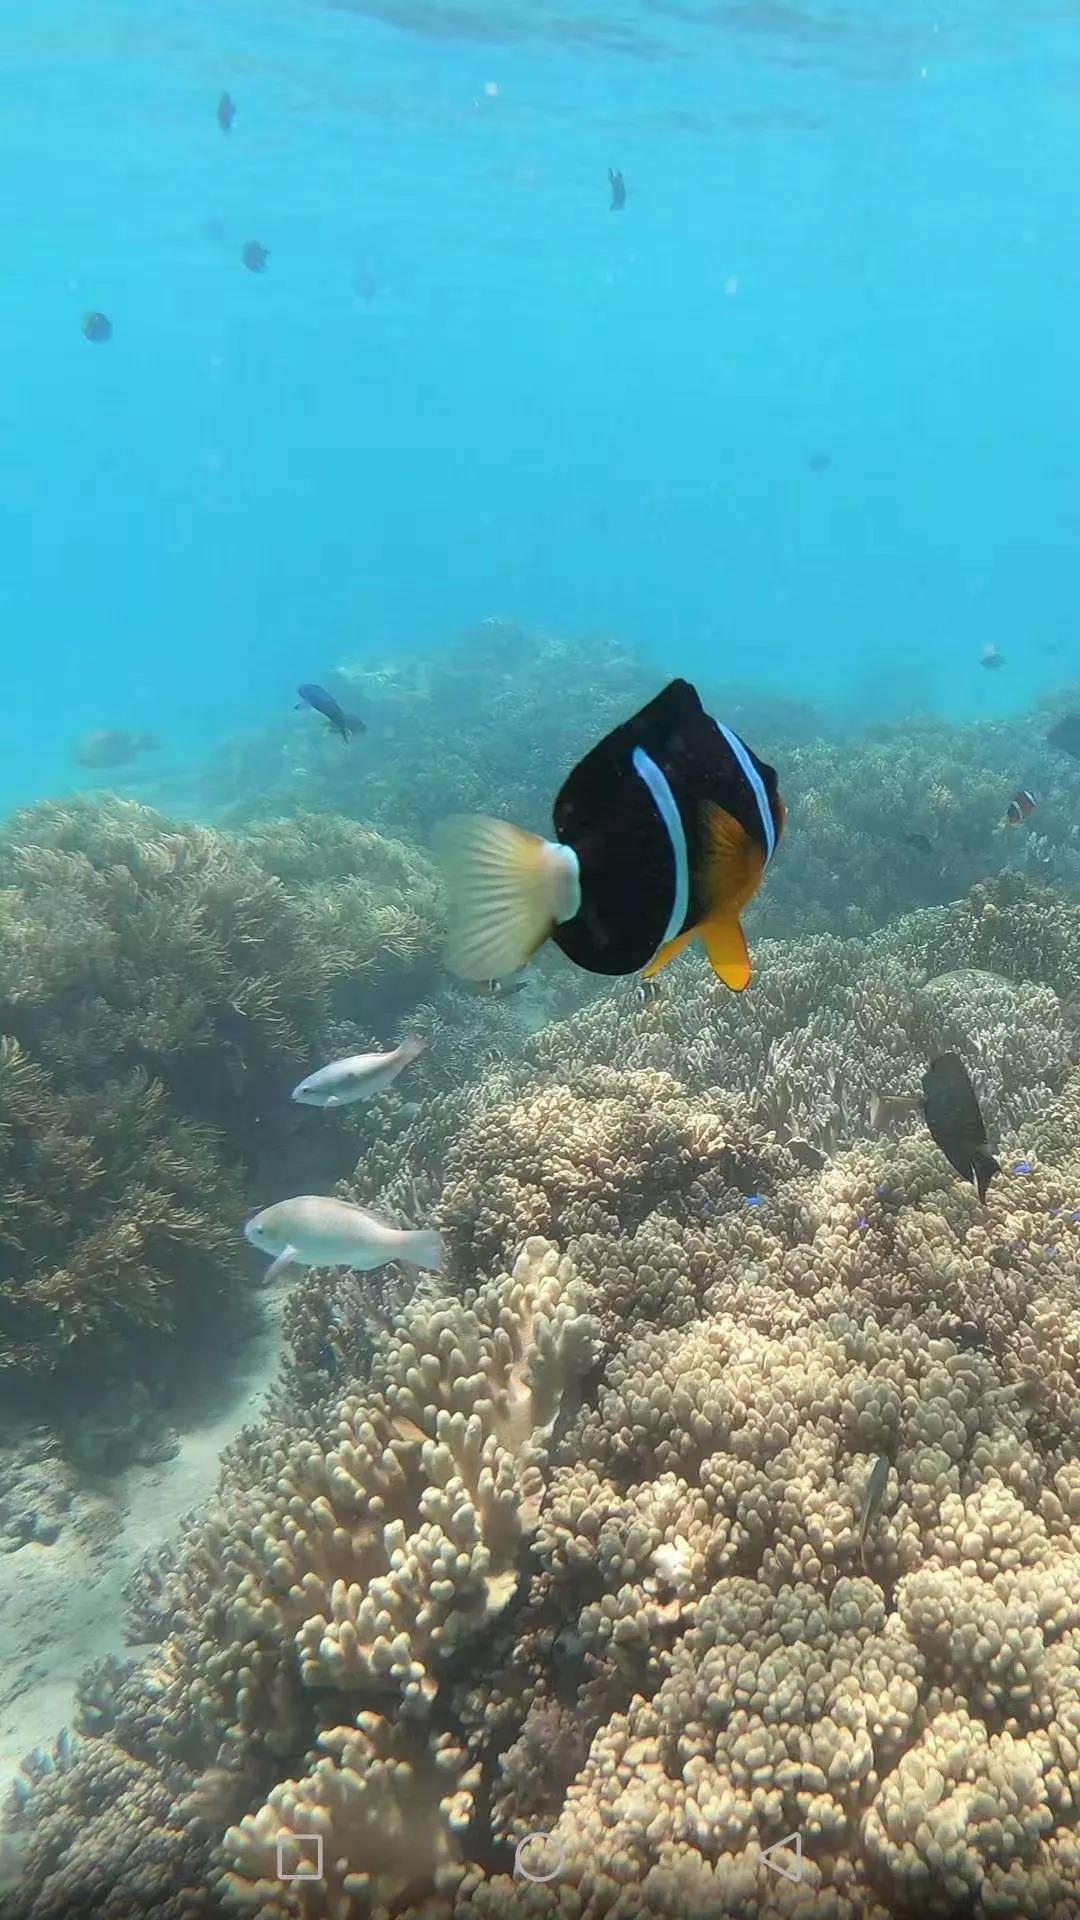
[[160, 989], [337, 1589]]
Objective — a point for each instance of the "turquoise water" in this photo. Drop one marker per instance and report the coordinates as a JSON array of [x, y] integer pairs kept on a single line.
[[689, 1462], [464, 388]]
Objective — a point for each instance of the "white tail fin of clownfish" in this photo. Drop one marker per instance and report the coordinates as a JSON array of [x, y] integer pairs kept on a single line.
[[731, 875], [507, 889]]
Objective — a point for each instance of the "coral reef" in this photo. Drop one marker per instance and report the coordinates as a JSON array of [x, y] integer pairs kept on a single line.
[[160, 988], [472, 726], [882, 821], [585, 1541]]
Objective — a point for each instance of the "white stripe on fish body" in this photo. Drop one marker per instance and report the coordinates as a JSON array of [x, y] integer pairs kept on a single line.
[[757, 786], [315, 1230], [359, 1076], [667, 807]]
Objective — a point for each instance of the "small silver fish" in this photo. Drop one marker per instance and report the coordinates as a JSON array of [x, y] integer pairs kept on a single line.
[[892, 1109], [359, 1076], [316, 1231], [872, 1499]]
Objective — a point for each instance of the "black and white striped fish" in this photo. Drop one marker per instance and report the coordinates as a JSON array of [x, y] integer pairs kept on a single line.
[[663, 833]]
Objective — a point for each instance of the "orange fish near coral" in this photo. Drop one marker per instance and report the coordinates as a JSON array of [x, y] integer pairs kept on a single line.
[[1021, 807], [663, 832]]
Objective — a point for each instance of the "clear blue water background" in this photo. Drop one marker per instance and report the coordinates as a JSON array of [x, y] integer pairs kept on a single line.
[[464, 388]]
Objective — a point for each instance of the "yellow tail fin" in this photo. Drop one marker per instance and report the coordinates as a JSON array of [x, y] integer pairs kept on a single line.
[[725, 944], [502, 888]]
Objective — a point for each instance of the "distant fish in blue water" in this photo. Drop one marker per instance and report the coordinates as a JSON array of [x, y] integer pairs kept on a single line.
[[312, 695], [820, 462], [921, 842], [97, 327], [991, 657], [618, 189], [254, 256], [226, 112], [1021, 807], [955, 1121], [1065, 733], [664, 832], [112, 747]]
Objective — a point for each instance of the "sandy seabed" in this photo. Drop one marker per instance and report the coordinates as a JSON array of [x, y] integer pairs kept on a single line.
[[61, 1606]]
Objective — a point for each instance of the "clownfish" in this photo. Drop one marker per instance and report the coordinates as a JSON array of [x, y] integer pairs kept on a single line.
[[1020, 807], [663, 833]]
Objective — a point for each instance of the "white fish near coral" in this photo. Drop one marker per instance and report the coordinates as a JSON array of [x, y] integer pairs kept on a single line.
[[314, 1231], [359, 1076]]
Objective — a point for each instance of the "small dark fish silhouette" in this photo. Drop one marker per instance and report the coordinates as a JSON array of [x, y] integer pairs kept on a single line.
[[921, 842], [955, 1121], [254, 256], [312, 695], [991, 657], [112, 747], [226, 112], [618, 189], [97, 326], [819, 462], [503, 989], [1065, 733], [873, 1496]]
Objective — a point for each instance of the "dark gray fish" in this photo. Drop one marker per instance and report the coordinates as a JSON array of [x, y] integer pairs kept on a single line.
[[991, 657], [618, 189], [312, 695], [254, 256], [112, 747], [873, 1496], [955, 1121], [97, 327], [921, 842], [1065, 733], [226, 112]]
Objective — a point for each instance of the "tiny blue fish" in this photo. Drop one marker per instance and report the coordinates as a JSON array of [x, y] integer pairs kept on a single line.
[[312, 695], [862, 1223], [1024, 1166], [755, 1199]]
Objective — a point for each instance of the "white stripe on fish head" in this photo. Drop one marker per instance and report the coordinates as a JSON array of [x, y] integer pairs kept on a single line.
[[667, 807], [757, 788]]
